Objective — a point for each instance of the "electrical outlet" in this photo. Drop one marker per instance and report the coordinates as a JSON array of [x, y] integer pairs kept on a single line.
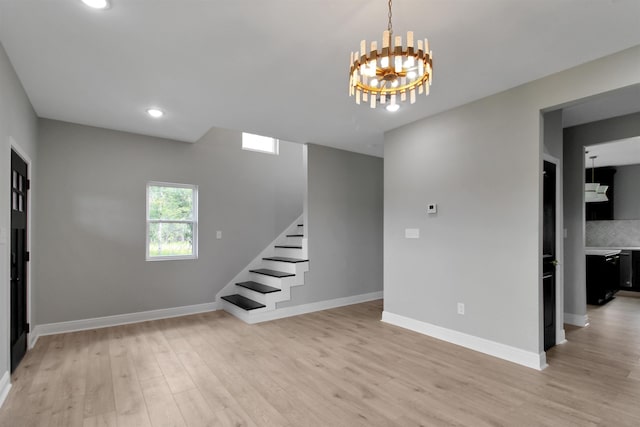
[[411, 233], [432, 208], [460, 308], [218, 234]]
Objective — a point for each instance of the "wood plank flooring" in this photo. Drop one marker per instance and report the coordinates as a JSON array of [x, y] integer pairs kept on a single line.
[[341, 367]]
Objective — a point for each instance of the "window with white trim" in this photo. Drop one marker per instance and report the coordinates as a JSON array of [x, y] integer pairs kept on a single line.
[[262, 144], [172, 221]]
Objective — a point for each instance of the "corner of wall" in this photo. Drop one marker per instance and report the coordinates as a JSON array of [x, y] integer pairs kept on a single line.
[[580, 320]]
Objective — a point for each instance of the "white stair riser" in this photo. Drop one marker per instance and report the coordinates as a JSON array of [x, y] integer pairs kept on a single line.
[[296, 241], [289, 267], [289, 253], [256, 296], [239, 312], [267, 299], [276, 282]]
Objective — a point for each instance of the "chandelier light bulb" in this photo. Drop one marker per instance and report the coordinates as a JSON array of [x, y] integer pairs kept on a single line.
[[398, 64], [410, 62], [393, 107], [374, 82]]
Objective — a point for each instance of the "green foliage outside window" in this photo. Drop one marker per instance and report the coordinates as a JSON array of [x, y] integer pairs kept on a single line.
[[166, 206]]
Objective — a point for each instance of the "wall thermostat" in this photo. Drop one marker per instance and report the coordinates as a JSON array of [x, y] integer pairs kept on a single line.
[[432, 208]]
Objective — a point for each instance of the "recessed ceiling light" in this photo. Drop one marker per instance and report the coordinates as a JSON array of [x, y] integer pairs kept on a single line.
[[393, 107], [156, 113], [97, 4]]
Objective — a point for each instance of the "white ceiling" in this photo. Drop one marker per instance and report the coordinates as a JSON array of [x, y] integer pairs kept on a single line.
[[279, 67], [614, 153], [605, 106]]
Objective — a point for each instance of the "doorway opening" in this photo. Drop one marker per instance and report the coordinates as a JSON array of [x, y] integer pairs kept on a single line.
[[549, 260], [19, 257]]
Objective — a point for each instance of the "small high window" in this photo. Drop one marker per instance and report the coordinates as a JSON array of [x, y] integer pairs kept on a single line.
[[263, 144], [172, 221]]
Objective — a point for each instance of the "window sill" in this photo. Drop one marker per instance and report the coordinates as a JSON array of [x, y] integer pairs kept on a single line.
[[171, 258]]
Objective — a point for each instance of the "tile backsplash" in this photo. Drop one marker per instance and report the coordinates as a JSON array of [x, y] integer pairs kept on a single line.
[[618, 233]]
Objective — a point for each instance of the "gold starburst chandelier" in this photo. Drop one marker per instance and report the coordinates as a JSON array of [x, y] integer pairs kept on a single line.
[[392, 74]]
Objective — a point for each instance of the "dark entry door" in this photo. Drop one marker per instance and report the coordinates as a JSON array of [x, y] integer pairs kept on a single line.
[[19, 258], [549, 255]]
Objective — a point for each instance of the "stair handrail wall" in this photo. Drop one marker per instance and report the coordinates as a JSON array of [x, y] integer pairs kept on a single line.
[[257, 261]]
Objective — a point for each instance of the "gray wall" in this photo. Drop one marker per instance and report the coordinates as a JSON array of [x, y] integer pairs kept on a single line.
[[482, 164], [90, 249], [575, 139], [552, 139], [344, 226], [627, 191], [18, 121]]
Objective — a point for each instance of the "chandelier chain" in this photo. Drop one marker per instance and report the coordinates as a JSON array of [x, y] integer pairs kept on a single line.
[[389, 27]]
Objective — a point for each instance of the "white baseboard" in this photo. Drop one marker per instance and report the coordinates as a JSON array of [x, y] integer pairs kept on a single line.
[[492, 348], [561, 336], [32, 338], [5, 386], [581, 320], [119, 319], [297, 310]]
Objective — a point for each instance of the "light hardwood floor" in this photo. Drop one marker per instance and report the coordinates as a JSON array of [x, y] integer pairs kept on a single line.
[[341, 367]]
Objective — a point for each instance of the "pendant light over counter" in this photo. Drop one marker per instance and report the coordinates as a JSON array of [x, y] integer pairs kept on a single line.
[[593, 191]]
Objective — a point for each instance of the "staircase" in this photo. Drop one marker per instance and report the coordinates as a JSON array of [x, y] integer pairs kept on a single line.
[[268, 279]]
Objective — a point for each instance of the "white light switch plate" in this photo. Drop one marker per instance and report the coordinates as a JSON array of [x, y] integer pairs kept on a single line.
[[218, 234], [412, 233]]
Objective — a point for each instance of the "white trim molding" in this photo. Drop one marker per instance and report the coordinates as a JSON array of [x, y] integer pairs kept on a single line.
[[5, 386], [581, 320], [482, 345], [561, 338], [120, 319], [297, 310]]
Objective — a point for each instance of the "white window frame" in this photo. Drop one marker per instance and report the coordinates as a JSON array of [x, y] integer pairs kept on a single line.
[[193, 221], [276, 144]]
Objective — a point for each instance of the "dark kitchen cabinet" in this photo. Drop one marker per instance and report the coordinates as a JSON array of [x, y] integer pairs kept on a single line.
[[603, 278], [635, 270], [601, 211], [626, 269]]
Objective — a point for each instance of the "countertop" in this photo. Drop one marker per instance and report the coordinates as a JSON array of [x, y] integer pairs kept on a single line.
[[601, 252], [622, 248]]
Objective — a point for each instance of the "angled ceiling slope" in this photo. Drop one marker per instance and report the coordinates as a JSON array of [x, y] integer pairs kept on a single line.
[[280, 67]]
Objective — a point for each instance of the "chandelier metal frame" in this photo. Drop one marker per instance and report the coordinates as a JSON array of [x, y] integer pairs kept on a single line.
[[393, 73]]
